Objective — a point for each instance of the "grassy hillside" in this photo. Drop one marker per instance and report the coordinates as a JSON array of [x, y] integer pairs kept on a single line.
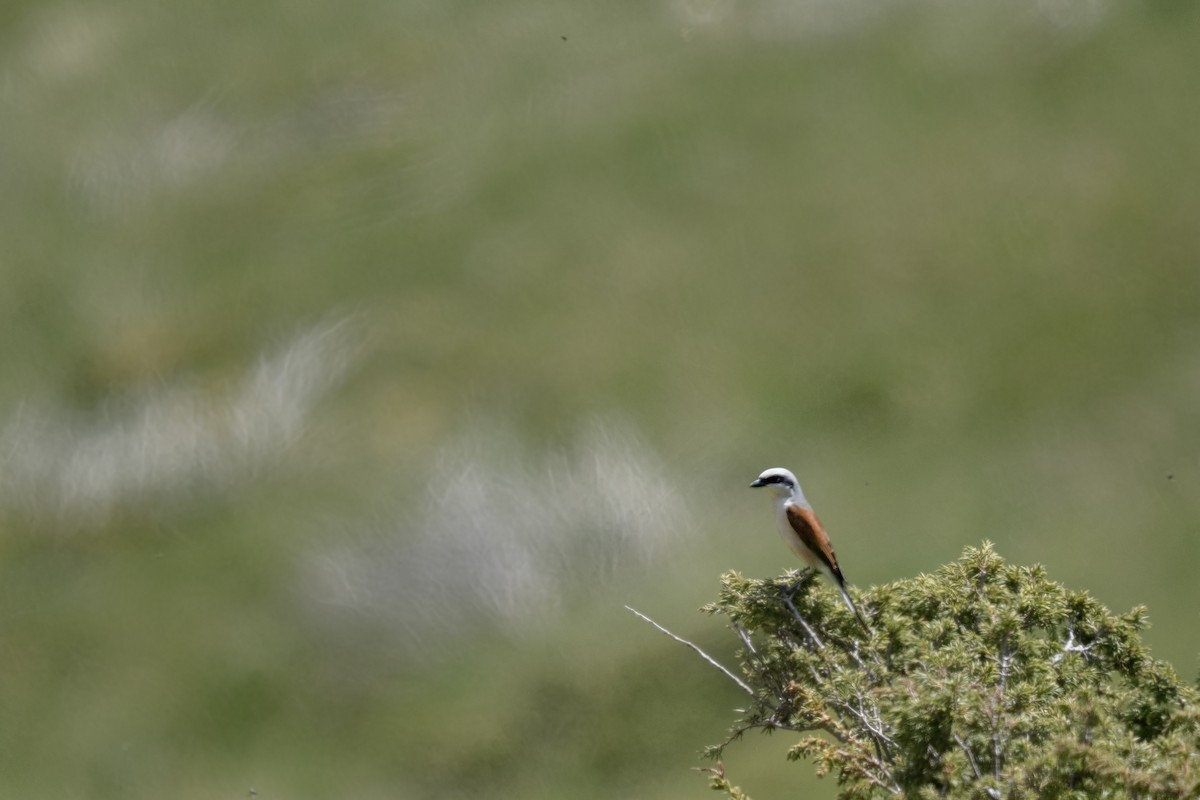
[[361, 362]]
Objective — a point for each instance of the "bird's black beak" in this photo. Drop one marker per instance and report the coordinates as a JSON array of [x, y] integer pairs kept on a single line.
[[758, 484]]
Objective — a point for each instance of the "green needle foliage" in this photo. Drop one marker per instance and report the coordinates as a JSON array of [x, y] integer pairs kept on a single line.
[[982, 680]]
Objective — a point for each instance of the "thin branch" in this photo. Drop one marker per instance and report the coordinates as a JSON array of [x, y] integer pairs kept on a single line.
[[811, 633], [735, 735], [875, 732], [879, 772], [850, 648], [699, 652], [1070, 646], [966, 748], [744, 635], [882, 783], [999, 740], [829, 728]]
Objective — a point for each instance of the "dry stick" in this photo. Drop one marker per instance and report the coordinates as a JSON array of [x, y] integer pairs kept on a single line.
[[701, 653], [875, 730], [745, 637], [795, 613], [966, 748]]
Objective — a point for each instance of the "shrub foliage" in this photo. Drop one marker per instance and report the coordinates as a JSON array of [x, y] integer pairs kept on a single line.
[[982, 680]]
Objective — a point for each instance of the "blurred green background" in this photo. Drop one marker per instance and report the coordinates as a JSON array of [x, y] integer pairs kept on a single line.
[[360, 362]]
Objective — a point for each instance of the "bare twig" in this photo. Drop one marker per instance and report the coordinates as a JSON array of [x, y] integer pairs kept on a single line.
[[966, 748], [744, 635], [827, 727], [884, 782], [699, 652], [807, 629], [850, 648], [999, 740], [874, 730], [1069, 646]]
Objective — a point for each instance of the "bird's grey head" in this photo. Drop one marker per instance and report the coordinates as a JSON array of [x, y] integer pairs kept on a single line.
[[780, 481]]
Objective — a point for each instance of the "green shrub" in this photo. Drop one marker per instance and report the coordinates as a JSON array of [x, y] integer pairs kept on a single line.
[[982, 680]]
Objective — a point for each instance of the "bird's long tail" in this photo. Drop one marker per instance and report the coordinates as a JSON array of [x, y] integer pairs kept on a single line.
[[846, 596]]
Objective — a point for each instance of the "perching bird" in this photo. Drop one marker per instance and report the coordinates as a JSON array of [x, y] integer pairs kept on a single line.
[[802, 531]]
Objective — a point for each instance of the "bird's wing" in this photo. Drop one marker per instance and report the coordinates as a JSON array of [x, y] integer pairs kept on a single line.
[[806, 525]]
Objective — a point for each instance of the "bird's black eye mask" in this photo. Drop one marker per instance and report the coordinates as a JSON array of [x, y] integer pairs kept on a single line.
[[775, 479]]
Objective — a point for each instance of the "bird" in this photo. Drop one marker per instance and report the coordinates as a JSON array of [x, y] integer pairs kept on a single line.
[[802, 531]]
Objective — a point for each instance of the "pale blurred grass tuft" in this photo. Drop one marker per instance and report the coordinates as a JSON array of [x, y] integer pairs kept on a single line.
[[167, 442], [508, 535]]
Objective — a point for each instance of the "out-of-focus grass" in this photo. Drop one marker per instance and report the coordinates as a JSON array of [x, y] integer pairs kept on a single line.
[[939, 260]]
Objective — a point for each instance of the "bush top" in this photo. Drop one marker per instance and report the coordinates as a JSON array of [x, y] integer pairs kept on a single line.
[[982, 679]]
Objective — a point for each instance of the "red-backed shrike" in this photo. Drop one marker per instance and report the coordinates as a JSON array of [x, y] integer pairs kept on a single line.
[[802, 531]]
